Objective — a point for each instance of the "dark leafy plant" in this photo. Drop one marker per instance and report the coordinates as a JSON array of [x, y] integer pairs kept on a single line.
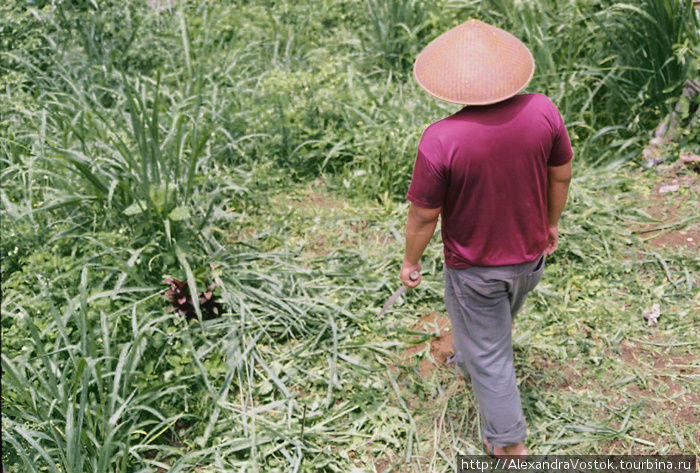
[[180, 297]]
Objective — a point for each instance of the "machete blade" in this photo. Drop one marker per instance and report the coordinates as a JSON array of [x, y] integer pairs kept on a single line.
[[392, 299]]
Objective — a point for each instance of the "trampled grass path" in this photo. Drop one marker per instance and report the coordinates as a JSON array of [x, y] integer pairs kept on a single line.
[[594, 377]]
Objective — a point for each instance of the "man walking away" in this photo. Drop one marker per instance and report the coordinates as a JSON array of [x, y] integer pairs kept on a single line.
[[498, 172]]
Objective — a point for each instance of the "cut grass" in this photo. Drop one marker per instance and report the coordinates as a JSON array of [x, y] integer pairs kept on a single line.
[[568, 340], [584, 311], [290, 134], [595, 378]]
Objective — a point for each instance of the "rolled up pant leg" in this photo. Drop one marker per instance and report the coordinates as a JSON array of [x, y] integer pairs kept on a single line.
[[479, 302]]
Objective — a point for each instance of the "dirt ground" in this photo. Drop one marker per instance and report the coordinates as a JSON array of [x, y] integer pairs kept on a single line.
[[668, 203], [440, 347]]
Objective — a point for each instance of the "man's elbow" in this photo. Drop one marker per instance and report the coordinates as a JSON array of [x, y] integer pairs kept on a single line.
[[560, 174], [423, 216], [428, 221]]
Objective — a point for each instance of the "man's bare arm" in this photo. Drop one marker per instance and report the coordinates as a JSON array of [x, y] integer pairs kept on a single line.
[[419, 230], [558, 179]]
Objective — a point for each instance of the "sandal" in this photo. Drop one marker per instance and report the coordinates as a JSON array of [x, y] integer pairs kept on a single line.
[[489, 448]]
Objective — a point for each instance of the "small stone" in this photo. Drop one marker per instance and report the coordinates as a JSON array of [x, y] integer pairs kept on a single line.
[[651, 162], [690, 160], [668, 188], [652, 315], [687, 158], [661, 130]]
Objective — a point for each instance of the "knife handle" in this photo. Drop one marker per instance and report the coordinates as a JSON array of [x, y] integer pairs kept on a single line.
[[414, 275]]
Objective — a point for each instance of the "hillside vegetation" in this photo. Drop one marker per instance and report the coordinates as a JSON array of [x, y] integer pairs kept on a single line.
[[203, 210]]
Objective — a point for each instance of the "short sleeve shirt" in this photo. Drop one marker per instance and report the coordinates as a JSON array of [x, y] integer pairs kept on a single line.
[[486, 166]]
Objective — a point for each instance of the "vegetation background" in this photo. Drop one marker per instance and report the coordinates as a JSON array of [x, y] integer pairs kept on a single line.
[[256, 154]]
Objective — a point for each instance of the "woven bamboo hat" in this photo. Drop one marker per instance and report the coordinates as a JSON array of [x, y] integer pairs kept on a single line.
[[474, 64]]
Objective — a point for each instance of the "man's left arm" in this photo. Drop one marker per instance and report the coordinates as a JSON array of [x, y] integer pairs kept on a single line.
[[420, 228]]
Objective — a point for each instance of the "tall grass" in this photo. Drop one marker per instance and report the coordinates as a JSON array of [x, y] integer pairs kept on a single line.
[[651, 43], [79, 398], [393, 32]]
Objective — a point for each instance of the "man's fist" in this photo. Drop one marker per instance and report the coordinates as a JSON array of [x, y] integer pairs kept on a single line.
[[552, 240], [410, 275]]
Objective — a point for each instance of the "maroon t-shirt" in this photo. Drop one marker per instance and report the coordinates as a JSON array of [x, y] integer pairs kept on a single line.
[[486, 166]]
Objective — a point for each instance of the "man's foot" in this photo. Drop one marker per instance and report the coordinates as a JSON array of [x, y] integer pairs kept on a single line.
[[508, 450]]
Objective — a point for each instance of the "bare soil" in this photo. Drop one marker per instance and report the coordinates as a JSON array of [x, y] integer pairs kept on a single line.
[[553, 375], [662, 385], [440, 346], [668, 203]]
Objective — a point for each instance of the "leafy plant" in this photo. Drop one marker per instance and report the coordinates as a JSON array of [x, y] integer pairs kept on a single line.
[[181, 300]]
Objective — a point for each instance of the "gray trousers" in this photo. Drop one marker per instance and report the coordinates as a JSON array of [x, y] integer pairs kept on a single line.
[[482, 303]]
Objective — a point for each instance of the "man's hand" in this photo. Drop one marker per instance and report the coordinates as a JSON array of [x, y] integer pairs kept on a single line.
[[552, 240], [405, 275]]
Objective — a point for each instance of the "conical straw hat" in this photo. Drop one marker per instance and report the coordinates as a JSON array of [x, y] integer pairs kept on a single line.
[[474, 64]]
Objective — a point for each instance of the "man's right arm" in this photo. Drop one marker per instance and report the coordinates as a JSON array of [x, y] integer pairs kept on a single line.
[[558, 179]]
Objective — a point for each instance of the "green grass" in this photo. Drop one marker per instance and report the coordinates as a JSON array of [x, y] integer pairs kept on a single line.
[[267, 147]]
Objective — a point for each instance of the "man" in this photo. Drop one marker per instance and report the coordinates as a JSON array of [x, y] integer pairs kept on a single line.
[[498, 172]]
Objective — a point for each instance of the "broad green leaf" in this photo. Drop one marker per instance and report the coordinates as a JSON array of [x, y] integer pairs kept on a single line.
[[135, 208], [179, 213]]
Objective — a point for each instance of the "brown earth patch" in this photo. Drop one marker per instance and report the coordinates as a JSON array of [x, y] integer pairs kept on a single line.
[[666, 201], [676, 407], [666, 372], [318, 201], [317, 245], [555, 375], [383, 463], [373, 237], [315, 198], [617, 447], [321, 244], [440, 346], [658, 237], [241, 235], [673, 239], [655, 377], [688, 414], [345, 229]]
